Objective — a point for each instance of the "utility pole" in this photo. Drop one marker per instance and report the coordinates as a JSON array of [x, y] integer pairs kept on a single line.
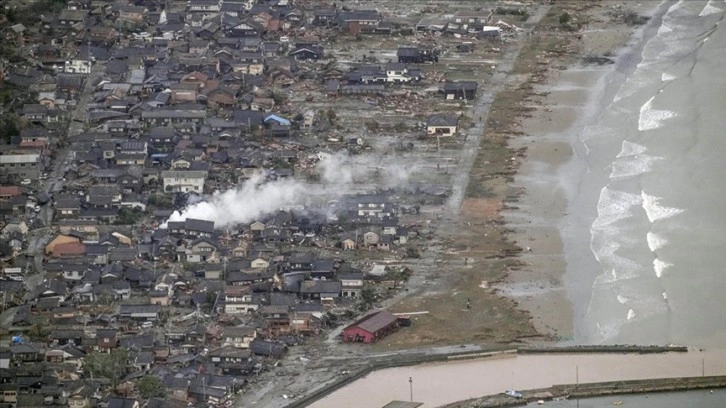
[[577, 375], [410, 386]]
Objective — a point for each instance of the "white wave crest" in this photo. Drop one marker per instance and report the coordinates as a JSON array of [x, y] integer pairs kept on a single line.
[[664, 29], [631, 314], [660, 266], [655, 241], [631, 149], [651, 118], [622, 299], [613, 206], [655, 211], [632, 166], [708, 10], [665, 77]]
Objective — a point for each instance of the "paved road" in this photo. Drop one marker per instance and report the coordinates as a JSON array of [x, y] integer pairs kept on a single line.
[[79, 117], [38, 238]]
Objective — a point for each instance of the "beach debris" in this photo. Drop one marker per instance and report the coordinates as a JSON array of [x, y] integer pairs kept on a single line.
[[513, 393]]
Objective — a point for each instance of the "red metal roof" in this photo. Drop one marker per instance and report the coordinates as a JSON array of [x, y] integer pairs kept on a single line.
[[375, 321]]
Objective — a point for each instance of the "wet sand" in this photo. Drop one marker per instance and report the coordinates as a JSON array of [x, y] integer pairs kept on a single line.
[[545, 176], [439, 384]]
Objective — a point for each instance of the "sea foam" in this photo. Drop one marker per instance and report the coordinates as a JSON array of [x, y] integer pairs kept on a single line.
[[665, 77], [708, 10], [631, 149], [614, 205], [660, 266], [651, 118], [655, 241], [654, 210], [632, 166]]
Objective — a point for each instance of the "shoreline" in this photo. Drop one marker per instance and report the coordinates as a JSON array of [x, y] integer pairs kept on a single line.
[[550, 175]]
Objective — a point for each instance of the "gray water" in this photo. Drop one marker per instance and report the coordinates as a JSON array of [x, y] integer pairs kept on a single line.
[[646, 238], [693, 399]]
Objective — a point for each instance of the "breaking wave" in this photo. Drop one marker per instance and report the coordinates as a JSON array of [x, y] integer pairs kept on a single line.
[[654, 210], [651, 118]]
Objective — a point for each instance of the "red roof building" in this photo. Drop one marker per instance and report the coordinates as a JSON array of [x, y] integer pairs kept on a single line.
[[69, 250], [10, 191], [371, 328]]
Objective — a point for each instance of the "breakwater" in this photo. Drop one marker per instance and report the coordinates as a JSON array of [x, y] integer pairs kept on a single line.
[[402, 360], [572, 391]]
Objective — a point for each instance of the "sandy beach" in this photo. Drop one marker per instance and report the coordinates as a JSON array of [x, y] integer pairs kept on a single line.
[[561, 108]]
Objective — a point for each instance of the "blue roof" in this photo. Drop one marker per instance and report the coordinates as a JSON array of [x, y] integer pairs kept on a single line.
[[278, 119]]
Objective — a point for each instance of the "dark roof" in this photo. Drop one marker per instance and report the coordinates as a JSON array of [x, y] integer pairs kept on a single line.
[[191, 224], [267, 348], [137, 342], [407, 52], [105, 333], [115, 402], [66, 334], [460, 85], [351, 276], [239, 331], [320, 287], [128, 309], [442, 120], [359, 15], [245, 117], [323, 265]]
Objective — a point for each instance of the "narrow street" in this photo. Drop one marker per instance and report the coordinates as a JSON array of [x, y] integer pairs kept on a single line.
[[38, 238]]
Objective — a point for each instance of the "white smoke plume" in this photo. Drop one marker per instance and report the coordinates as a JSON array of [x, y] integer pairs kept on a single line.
[[339, 175]]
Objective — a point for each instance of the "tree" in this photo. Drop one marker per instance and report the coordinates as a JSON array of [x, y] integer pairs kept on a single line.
[[367, 296], [128, 216], [8, 127], [109, 365], [564, 18], [161, 201], [5, 248], [150, 386]]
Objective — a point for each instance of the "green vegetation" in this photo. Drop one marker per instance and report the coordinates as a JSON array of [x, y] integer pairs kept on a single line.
[[161, 201], [150, 386], [367, 296], [9, 127], [29, 14], [107, 365], [565, 18], [128, 216]]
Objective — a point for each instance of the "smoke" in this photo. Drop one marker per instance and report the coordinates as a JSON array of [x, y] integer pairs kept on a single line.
[[255, 198]]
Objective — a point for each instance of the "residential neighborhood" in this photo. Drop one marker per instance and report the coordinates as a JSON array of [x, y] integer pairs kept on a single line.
[[131, 275]]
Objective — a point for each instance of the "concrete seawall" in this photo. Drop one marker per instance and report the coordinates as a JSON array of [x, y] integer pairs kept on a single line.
[[416, 359], [572, 391]]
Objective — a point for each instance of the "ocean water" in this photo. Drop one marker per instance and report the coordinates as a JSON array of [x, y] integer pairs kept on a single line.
[[646, 244], [693, 399]]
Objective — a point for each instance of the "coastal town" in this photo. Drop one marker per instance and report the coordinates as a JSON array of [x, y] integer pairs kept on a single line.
[[119, 116], [198, 198]]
